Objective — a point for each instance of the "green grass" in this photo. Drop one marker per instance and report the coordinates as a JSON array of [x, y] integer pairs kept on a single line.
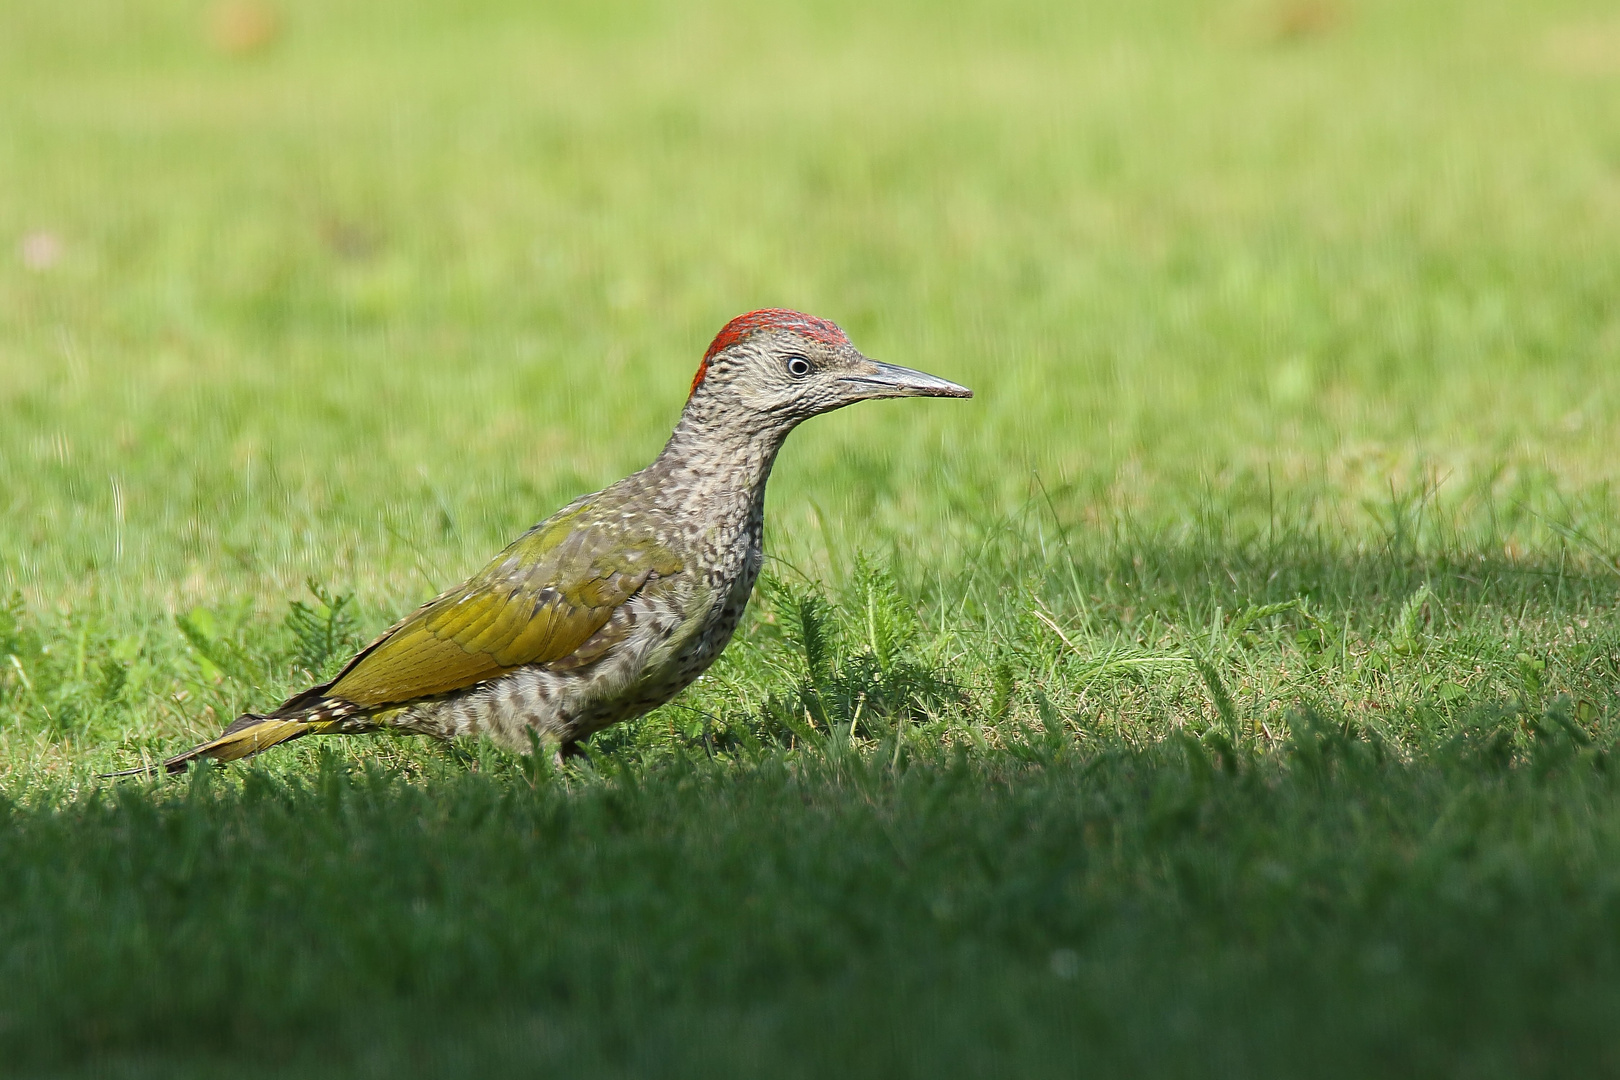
[[1231, 687], [1153, 913]]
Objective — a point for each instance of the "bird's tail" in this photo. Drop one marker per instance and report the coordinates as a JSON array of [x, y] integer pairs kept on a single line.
[[248, 735]]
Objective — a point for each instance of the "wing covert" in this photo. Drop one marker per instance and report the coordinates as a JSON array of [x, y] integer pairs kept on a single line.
[[538, 601]]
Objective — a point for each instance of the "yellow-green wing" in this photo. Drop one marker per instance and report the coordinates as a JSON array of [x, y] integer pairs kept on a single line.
[[537, 602]]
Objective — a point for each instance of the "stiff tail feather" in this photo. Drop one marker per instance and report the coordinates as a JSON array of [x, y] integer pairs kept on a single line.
[[247, 735]]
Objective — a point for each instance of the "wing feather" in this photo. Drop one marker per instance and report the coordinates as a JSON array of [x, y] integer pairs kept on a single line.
[[538, 601]]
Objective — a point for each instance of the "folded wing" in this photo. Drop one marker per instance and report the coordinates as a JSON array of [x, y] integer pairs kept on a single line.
[[537, 602]]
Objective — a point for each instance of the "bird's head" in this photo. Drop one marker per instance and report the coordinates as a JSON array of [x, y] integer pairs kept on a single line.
[[777, 367]]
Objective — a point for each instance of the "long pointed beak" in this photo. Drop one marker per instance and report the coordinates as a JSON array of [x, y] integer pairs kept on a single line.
[[891, 380]]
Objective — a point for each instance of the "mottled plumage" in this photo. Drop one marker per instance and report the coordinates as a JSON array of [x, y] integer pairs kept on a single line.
[[615, 603]]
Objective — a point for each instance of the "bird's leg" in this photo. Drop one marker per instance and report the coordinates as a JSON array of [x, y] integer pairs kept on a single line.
[[568, 748]]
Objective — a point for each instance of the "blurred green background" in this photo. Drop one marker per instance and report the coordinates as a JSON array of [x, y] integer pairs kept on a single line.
[[344, 288]]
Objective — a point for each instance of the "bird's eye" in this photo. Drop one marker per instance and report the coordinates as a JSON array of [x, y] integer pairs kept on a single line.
[[798, 367]]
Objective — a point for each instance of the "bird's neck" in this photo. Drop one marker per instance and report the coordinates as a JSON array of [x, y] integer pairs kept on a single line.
[[709, 463]]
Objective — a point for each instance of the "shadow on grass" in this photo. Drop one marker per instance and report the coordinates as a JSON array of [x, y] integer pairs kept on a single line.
[[1192, 909]]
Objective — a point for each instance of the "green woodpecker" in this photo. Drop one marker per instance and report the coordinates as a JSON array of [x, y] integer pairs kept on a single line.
[[611, 606]]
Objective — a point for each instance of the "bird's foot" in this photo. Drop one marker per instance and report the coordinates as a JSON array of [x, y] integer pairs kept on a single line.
[[569, 748]]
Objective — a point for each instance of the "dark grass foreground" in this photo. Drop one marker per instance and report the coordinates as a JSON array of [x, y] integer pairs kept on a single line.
[[1322, 910]]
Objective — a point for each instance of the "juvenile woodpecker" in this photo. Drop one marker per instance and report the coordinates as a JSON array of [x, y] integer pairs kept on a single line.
[[612, 605]]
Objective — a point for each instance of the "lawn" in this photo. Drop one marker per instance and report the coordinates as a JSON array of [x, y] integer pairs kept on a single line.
[[1232, 687]]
